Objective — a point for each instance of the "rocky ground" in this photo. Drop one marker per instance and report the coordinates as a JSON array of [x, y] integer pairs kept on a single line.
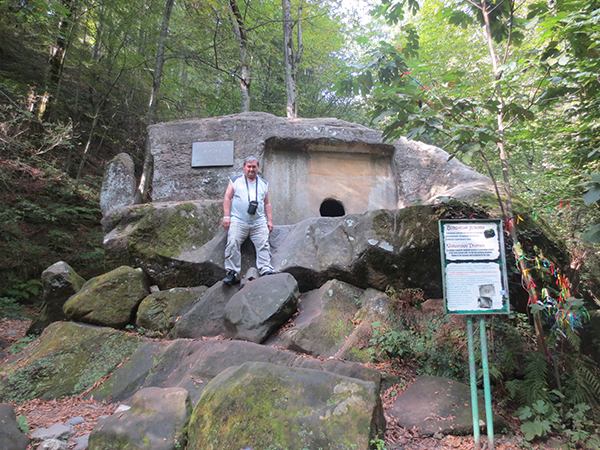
[[43, 414]]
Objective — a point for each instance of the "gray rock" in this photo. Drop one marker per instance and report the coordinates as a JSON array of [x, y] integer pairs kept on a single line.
[[261, 307], [438, 405], [53, 444], [286, 407], [56, 431], [205, 318], [75, 420], [173, 242], [156, 421], [110, 299], [424, 172], [11, 437], [373, 307], [374, 249], [307, 162], [325, 320], [161, 310], [119, 183], [67, 359], [192, 364], [81, 442], [59, 282]]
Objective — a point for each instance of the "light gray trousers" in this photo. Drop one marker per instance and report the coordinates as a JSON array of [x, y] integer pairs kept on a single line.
[[259, 235]]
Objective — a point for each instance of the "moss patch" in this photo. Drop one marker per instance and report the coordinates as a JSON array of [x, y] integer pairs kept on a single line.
[[169, 231], [273, 407], [66, 360]]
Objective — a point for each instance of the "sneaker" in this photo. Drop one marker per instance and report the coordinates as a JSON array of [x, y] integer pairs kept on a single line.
[[268, 272], [231, 278]]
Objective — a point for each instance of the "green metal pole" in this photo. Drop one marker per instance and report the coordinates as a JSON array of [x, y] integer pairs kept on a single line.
[[473, 374], [486, 383]]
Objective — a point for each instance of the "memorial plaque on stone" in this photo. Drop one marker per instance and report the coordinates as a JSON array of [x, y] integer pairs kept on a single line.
[[216, 153]]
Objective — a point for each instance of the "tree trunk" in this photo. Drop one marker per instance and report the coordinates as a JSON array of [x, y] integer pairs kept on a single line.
[[517, 250], [57, 61], [237, 24], [141, 195], [291, 61]]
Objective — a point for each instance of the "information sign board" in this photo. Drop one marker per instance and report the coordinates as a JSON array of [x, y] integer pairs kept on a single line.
[[473, 267]]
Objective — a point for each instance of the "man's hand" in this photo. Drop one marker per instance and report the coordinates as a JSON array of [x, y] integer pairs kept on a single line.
[[270, 225], [227, 221]]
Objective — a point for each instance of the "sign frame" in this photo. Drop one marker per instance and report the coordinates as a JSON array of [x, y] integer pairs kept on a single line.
[[474, 275], [212, 154]]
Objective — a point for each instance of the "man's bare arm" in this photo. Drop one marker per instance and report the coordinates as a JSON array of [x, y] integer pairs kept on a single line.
[[269, 212], [227, 206]]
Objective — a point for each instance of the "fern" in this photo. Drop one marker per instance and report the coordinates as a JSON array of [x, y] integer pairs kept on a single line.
[[534, 386], [573, 338], [583, 384]]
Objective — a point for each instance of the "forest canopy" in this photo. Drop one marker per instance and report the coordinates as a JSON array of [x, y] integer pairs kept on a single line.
[[80, 80]]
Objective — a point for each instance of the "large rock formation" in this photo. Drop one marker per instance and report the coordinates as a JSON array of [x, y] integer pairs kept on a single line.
[[191, 364], [308, 162], [373, 249], [66, 360], [261, 307], [267, 406]]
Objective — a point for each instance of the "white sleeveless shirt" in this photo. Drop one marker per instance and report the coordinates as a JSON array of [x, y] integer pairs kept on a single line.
[[244, 191]]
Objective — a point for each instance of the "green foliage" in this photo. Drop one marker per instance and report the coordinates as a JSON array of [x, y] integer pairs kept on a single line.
[[9, 307], [21, 344], [407, 336], [23, 291], [378, 444], [538, 420], [22, 424]]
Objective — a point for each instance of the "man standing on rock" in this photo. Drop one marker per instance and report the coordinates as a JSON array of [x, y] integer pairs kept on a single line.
[[247, 211]]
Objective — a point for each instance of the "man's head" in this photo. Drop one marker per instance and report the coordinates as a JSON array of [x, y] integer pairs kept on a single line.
[[251, 167]]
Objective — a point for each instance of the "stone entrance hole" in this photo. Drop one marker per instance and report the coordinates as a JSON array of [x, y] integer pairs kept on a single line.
[[331, 208]]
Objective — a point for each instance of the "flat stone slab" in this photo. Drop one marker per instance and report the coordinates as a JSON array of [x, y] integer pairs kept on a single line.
[[438, 405]]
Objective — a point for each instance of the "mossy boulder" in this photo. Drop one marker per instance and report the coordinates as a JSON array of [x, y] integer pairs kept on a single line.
[[111, 299], [67, 359], [261, 307], [156, 420], [205, 318], [59, 282], [374, 307], [326, 319], [191, 364], [161, 310], [261, 405], [164, 240]]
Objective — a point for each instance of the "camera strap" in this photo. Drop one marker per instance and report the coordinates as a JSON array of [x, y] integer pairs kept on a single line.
[[248, 189]]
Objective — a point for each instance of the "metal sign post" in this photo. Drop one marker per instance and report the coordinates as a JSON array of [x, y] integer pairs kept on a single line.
[[475, 283]]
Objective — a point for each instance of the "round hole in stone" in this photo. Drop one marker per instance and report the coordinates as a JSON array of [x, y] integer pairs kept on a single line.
[[331, 208]]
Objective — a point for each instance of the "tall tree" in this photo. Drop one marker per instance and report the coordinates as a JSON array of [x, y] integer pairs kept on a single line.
[[292, 59], [239, 29], [142, 191]]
